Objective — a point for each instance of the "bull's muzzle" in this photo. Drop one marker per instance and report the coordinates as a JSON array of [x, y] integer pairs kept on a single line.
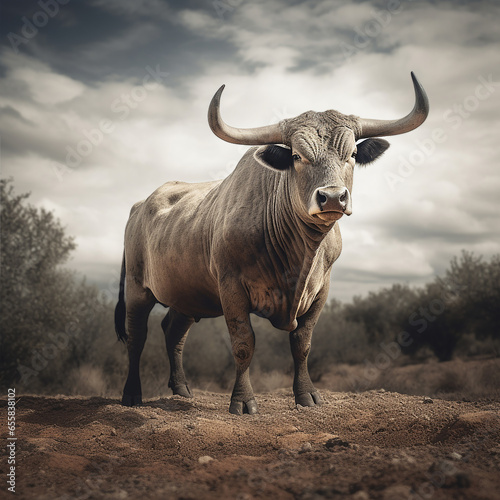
[[330, 203]]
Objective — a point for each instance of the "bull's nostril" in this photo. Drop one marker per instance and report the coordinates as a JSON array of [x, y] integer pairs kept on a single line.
[[322, 199], [343, 196]]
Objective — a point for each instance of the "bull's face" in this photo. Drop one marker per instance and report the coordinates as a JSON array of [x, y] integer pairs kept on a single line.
[[319, 167]]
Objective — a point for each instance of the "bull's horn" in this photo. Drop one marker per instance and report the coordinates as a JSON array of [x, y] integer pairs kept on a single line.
[[378, 128], [248, 136]]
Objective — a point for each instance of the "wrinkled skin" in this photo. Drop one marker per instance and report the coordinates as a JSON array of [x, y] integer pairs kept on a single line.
[[256, 242]]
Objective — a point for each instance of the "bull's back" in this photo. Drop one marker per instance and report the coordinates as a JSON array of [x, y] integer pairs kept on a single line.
[[167, 246]]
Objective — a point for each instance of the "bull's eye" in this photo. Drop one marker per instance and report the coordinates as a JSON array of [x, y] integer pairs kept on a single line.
[[296, 157], [353, 154]]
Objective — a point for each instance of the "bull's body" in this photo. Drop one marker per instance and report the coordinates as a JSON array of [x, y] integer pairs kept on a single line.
[[261, 241], [195, 240]]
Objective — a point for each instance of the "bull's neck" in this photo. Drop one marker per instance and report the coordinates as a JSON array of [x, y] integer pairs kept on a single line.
[[295, 243]]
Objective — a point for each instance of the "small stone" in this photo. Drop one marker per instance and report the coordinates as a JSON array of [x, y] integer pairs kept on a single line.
[[427, 400], [455, 456], [305, 447], [205, 459], [113, 431]]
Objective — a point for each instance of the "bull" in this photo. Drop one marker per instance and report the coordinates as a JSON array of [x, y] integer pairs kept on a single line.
[[261, 241]]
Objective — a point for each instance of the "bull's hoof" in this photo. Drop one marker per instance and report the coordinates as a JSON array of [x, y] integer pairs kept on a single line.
[[240, 407], [182, 390], [129, 400], [308, 399]]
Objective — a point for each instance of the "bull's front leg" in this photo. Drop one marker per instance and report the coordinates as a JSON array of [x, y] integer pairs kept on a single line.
[[300, 342], [243, 346], [235, 306]]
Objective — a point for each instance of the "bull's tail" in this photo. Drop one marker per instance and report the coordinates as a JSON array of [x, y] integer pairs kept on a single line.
[[120, 310]]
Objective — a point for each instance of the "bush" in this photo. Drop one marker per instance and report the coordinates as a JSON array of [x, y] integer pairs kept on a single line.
[[49, 318], [461, 305]]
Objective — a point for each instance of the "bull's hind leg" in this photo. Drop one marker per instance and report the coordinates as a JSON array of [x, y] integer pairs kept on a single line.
[[176, 327], [139, 303]]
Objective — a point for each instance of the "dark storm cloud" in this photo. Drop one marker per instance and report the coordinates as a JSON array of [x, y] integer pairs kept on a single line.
[[95, 41]]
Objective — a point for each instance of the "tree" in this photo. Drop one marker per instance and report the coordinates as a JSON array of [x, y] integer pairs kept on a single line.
[[464, 302], [43, 307], [381, 312], [475, 285]]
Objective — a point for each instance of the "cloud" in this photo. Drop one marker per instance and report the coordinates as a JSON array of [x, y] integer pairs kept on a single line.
[[47, 87], [277, 59], [152, 9]]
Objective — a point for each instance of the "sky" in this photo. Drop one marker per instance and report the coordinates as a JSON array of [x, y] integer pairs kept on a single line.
[[103, 101]]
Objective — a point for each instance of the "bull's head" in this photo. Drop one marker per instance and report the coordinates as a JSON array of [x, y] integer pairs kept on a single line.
[[320, 152]]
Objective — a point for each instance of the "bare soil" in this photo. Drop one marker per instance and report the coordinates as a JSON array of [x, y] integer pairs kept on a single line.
[[371, 445]]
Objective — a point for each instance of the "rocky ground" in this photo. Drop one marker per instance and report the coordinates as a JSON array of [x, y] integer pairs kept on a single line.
[[371, 445]]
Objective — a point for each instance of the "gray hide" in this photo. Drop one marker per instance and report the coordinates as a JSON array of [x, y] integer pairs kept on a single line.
[[261, 241]]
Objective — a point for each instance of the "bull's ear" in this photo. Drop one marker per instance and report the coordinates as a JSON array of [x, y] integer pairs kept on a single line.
[[274, 157], [370, 150]]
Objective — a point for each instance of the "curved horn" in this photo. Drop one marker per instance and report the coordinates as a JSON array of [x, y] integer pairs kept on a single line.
[[248, 136], [378, 128]]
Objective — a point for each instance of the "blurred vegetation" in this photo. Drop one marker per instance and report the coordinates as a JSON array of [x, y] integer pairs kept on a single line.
[[49, 317], [57, 332]]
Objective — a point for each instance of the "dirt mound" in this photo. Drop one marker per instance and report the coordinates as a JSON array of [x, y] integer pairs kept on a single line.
[[375, 444]]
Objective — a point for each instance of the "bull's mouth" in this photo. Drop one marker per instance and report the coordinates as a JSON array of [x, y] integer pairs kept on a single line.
[[328, 216]]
